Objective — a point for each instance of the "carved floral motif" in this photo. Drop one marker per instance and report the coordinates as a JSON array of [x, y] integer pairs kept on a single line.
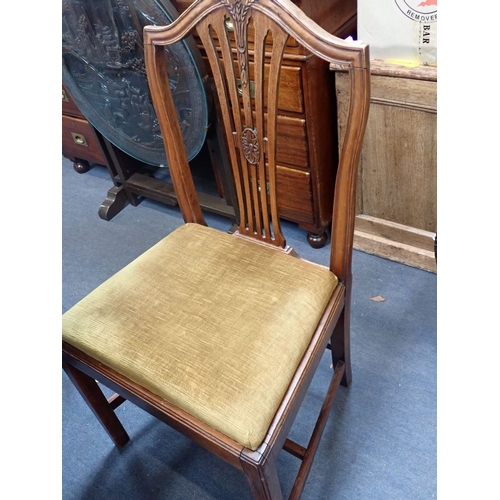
[[250, 145], [239, 12]]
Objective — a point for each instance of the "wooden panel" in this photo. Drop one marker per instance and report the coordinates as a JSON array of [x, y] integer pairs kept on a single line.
[[319, 86], [68, 105], [398, 181], [415, 95], [79, 141], [396, 197], [397, 242]]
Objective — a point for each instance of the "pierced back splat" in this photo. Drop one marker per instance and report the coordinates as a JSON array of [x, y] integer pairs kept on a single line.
[[248, 94]]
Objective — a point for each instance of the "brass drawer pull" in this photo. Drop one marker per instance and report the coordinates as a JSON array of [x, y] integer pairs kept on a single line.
[[64, 96], [79, 139], [240, 89]]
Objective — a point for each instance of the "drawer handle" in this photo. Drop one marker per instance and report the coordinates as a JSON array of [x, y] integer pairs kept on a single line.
[[64, 96], [240, 88], [229, 23], [79, 139]]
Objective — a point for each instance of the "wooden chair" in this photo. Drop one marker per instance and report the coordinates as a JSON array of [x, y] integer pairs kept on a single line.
[[217, 334]]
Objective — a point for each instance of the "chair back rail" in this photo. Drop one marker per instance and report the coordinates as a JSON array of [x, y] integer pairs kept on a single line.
[[249, 112]]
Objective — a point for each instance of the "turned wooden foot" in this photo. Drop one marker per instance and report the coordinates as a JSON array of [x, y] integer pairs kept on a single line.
[[317, 240], [81, 166]]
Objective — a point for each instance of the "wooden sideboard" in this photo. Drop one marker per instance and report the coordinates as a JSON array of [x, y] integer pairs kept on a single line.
[[307, 125]]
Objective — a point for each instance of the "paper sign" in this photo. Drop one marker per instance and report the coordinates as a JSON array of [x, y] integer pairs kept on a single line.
[[399, 31]]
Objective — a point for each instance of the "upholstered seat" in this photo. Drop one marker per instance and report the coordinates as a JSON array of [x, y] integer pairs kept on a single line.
[[215, 325]]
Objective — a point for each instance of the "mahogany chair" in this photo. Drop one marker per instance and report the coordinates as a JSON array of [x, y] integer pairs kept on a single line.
[[218, 334]]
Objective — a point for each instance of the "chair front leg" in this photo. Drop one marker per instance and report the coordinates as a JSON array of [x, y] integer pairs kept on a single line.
[[94, 397], [262, 477]]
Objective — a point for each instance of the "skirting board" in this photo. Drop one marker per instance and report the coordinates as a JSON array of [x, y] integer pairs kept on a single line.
[[396, 242]]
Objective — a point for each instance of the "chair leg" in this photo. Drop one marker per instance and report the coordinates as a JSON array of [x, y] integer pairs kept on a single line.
[[94, 397], [341, 343], [263, 478]]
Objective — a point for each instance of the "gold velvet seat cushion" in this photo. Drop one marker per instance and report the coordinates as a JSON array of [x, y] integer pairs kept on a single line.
[[212, 323]]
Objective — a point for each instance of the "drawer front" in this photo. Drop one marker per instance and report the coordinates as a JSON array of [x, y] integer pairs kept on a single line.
[[79, 141], [295, 199], [68, 105], [290, 95], [291, 141]]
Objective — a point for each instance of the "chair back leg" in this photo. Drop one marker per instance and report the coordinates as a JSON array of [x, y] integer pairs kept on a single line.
[[341, 343]]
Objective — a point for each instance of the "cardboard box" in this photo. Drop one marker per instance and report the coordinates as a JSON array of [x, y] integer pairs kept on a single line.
[[400, 31]]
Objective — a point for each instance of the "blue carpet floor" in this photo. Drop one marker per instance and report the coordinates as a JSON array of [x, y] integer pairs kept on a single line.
[[380, 441]]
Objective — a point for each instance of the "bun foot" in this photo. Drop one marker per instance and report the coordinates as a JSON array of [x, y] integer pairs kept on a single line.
[[81, 166], [317, 240]]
